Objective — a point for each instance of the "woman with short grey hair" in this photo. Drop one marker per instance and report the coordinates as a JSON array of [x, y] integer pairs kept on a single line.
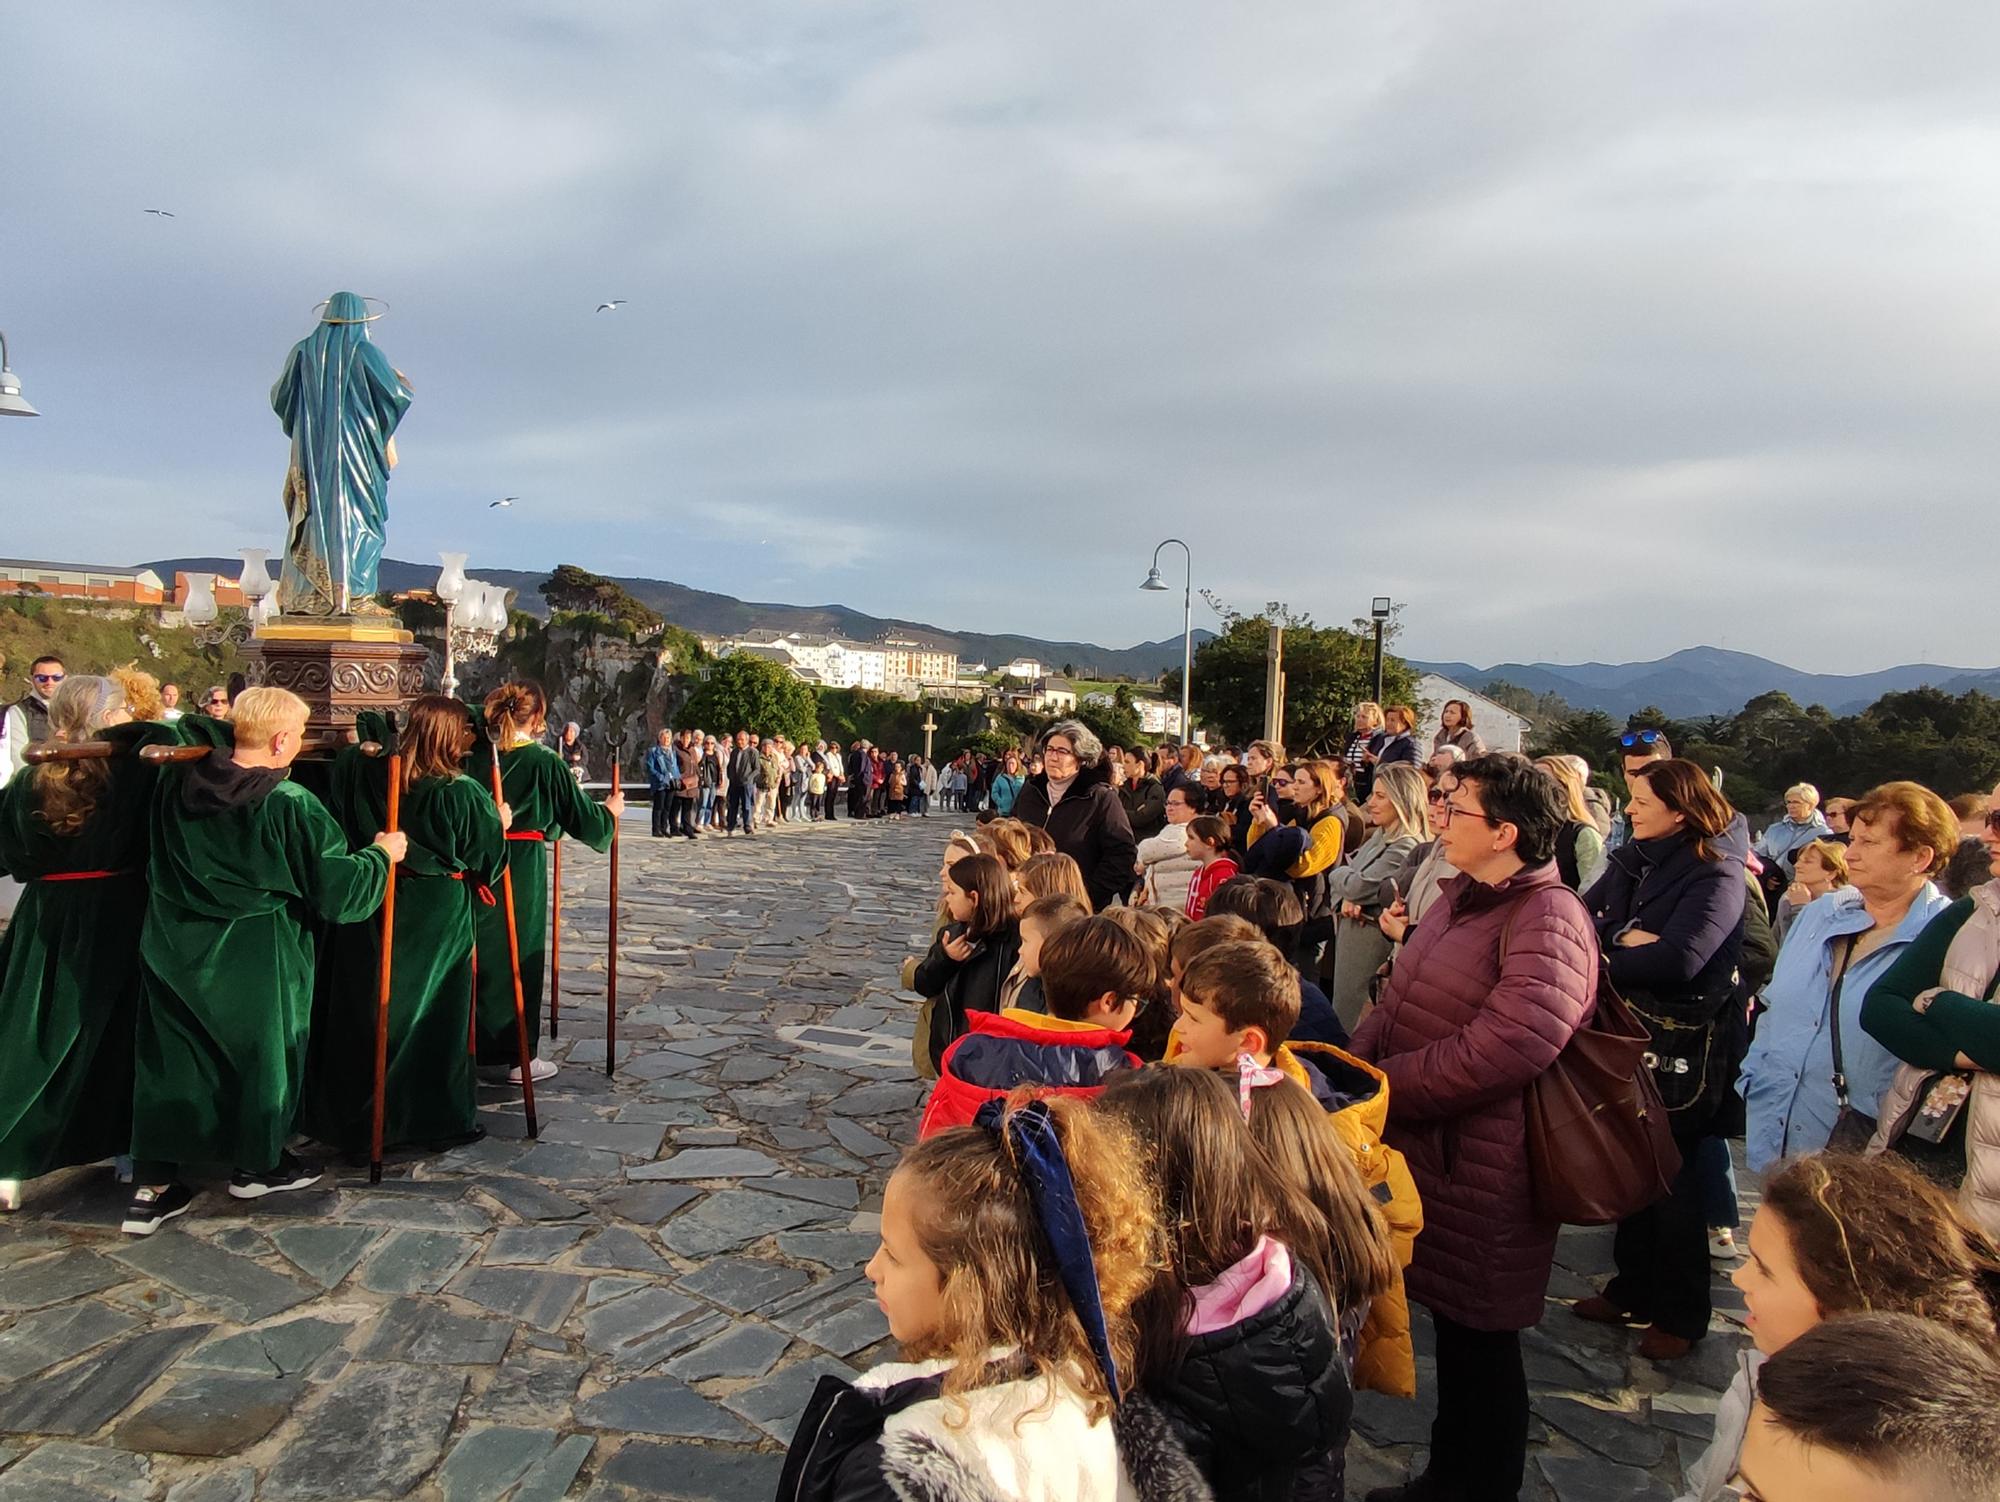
[[1073, 799]]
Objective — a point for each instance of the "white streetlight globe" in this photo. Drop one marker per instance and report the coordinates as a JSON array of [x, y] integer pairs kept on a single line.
[[451, 579], [199, 608]]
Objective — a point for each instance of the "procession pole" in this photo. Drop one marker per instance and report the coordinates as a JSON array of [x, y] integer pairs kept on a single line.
[[611, 959], [514, 963], [555, 936], [382, 991]]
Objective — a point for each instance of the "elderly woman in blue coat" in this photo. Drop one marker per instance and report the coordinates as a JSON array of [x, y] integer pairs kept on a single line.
[[1838, 946]]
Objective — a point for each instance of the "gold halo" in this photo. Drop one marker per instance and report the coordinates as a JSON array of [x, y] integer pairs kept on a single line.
[[369, 319]]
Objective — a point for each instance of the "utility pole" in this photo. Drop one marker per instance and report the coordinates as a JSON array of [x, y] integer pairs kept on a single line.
[[1274, 685]]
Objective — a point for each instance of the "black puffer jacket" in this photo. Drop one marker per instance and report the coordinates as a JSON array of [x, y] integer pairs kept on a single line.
[[1256, 1402], [1089, 826], [961, 986], [1145, 804]]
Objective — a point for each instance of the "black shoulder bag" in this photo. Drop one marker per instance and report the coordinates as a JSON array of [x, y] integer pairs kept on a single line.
[[1852, 1130]]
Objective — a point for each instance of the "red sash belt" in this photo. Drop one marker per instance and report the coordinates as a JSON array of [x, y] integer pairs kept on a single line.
[[526, 834], [83, 875], [480, 890]]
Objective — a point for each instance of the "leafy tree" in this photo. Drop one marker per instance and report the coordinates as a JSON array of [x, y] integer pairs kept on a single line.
[[748, 692], [1328, 670], [1114, 724]]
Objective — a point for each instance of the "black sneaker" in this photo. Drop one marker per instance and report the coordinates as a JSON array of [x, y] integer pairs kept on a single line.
[[289, 1174], [152, 1208]]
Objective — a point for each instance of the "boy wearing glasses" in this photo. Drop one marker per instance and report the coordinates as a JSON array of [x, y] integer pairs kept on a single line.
[[27, 720]]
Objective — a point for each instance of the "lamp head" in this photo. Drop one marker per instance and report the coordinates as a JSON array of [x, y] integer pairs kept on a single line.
[[1381, 607], [451, 578], [11, 402], [1153, 580]]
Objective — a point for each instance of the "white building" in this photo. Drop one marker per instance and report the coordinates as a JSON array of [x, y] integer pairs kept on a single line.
[[1156, 716], [909, 667], [1025, 667], [1497, 725]]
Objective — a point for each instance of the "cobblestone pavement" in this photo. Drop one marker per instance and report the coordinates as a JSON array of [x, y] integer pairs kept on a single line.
[[638, 1304]]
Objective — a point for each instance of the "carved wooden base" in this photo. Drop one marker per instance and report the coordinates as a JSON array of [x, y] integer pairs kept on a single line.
[[338, 679]]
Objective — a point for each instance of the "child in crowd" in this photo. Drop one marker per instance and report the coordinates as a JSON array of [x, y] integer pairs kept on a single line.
[[1048, 873], [1040, 841], [1039, 919], [1240, 998], [1155, 1018], [973, 954], [1836, 1234], [1013, 1253], [1886, 1407], [240, 857], [1280, 917], [1093, 973], [1208, 847], [1010, 839], [1236, 1337]]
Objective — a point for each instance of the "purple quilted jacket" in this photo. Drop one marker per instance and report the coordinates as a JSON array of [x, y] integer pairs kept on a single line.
[[1460, 1040]]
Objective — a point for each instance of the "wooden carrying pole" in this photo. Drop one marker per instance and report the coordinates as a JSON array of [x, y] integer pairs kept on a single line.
[[514, 963], [46, 751], [611, 956], [382, 989], [555, 935]]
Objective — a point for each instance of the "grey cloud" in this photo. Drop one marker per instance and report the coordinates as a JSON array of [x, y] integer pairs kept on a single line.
[[1587, 331]]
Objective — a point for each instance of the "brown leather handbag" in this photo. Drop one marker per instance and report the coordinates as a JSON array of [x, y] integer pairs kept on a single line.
[[1600, 1143]]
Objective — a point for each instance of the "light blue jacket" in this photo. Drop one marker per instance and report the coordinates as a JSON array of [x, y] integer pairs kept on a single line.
[[1787, 1079], [1006, 788], [1781, 841]]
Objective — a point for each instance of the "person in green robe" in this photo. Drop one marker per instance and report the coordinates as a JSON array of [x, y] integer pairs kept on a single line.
[[457, 851], [75, 833], [548, 804], [242, 864]]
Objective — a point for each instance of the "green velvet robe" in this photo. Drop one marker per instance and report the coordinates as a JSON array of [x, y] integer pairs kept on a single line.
[[544, 796], [430, 1097], [69, 969], [228, 947]]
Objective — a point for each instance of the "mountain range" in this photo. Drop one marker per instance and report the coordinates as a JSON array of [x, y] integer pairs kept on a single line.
[[708, 614], [1698, 681], [1687, 684]]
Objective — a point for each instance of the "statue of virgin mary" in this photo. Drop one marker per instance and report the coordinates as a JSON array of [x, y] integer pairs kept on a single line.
[[340, 401]]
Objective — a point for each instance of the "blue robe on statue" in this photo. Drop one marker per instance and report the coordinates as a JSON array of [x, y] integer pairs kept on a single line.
[[340, 402]]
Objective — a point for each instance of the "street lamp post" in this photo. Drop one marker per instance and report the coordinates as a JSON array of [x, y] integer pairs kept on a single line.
[[1155, 582], [12, 404], [1381, 608]]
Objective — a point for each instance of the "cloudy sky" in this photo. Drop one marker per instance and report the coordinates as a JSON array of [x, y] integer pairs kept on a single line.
[[1587, 331]]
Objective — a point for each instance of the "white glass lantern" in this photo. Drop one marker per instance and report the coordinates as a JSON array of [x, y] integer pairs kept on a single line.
[[199, 608], [255, 580], [451, 579]]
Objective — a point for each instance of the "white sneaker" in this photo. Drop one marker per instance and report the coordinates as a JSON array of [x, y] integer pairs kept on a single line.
[[542, 1069], [1722, 1244]]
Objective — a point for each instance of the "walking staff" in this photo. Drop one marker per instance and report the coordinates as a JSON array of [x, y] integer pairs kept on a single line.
[[382, 994], [611, 957], [514, 959], [555, 936]]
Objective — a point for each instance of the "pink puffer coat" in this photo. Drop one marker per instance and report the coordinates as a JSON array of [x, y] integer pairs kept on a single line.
[[1460, 1040]]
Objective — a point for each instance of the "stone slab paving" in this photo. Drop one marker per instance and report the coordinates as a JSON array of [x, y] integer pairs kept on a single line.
[[638, 1304]]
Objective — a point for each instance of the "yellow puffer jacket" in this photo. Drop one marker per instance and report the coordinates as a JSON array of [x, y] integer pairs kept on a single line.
[[1385, 1361]]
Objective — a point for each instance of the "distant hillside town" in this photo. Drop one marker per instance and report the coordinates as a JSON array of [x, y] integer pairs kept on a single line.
[[912, 669]]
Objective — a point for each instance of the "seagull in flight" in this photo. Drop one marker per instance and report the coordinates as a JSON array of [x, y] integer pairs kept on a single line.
[[504, 501], [163, 213], [616, 302]]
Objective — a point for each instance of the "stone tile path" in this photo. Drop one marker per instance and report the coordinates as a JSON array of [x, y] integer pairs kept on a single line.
[[638, 1304]]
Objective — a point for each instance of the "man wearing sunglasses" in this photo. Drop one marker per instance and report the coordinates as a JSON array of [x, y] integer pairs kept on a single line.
[[27, 719], [1639, 748]]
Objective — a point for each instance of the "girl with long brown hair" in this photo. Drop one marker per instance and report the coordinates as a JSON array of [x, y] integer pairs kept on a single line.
[[1012, 1255], [1237, 1335], [75, 832], [457, 849], [548, 803]]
